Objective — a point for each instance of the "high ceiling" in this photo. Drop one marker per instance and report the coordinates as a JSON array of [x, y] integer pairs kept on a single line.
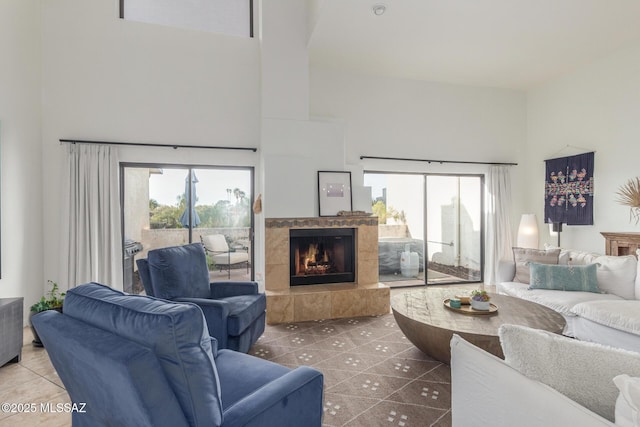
[[499, 43]]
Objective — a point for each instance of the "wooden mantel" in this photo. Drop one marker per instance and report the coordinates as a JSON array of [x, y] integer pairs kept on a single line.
[[621, 243]]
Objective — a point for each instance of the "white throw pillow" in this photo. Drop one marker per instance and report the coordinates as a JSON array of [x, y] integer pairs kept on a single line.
[[580, 257], [628, 403], [617, 275], [580, 370]]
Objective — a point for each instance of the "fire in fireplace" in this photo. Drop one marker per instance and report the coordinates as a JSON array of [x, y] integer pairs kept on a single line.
[[322, 255]]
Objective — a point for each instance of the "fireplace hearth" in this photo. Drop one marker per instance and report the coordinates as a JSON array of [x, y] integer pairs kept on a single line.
[[361, 296], [322, 255]]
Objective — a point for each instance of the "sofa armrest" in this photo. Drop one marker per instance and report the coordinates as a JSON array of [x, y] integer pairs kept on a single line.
[[487, 391], [295, 399], [232, 289], [215, 313], [506, 270]]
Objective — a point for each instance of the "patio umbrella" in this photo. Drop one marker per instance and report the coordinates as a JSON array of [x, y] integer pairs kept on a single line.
[[191, 208]]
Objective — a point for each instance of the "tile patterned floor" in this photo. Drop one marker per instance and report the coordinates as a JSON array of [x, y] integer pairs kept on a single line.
[[373, 375], [32, 382]]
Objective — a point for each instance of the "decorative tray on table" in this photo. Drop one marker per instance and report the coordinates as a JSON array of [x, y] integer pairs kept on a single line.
[[466, 309]]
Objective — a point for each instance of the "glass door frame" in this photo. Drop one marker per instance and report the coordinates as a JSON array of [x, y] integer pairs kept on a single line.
[[425, 176], [482, 225], [190, 168]]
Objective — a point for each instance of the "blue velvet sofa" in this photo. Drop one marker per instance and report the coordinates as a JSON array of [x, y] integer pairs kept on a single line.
[[235, 311], [130, 360]]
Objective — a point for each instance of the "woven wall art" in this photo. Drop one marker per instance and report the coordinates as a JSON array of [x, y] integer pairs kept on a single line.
[[568, 190]]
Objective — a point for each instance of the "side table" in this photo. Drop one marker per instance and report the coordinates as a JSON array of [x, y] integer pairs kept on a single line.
[[11, 320]]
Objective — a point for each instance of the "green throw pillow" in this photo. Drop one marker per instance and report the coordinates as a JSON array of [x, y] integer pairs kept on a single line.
[[564, 277]]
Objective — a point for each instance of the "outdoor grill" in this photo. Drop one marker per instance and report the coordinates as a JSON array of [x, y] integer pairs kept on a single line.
[[131, 248]]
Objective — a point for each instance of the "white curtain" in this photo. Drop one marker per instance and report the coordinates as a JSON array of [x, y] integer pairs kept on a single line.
[[499, 238], [91, 235]]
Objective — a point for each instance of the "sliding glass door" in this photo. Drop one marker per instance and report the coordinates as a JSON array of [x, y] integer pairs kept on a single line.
[[171, 205], [454, 228], [430, 227]]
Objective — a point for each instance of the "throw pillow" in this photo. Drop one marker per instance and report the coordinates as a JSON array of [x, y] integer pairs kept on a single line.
[[564, 277], [565, 254], [628, 403], [580, 370], [524, 256], [617, 275]]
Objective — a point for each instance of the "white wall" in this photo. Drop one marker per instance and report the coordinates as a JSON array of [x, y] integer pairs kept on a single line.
[[595, 108], [293, 152], [285, 61], [424, 120], [114, 80], [20, 151]]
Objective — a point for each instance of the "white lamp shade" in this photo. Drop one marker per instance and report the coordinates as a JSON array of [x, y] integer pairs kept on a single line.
[[528, 231]]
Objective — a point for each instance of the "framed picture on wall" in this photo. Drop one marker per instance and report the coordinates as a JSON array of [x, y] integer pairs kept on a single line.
[[334, 192]]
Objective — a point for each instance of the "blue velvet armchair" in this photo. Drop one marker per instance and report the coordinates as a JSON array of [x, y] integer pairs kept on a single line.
[[132, 360], [235, 311]]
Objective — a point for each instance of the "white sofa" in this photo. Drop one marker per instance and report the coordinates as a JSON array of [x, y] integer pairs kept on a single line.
[[545, 380], [611, 317]]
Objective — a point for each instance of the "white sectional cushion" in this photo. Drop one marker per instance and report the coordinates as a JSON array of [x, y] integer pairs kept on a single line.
[[580, 370], [622, 315], [617, 275], [488, 392], [560, 301], [580, 257]]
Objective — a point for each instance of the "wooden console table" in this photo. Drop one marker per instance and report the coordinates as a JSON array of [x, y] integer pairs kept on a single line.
[[621, 243], [11, 321]]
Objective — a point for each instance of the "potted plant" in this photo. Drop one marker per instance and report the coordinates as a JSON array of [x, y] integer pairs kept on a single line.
[[52, 300], [480, 300]]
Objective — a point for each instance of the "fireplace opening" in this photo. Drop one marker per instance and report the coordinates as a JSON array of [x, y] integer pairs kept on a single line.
[[322, 255]]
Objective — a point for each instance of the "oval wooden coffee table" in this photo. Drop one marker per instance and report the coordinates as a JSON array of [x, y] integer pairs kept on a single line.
[[429, 325]]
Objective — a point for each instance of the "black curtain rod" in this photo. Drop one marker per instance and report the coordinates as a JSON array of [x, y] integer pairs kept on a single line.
[[437, 161], [142, 144]]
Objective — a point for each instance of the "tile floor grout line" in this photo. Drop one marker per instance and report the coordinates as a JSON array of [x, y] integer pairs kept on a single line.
[[441, 417]]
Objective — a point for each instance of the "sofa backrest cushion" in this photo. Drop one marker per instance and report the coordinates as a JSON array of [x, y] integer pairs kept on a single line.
[[179, 272], [617, 275], [524, 256], [564, 277], [580, 370], [116, 381], [574, 257], [176, 332]]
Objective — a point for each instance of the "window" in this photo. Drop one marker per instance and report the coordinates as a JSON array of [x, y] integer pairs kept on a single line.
[[171, 205], [232, 17], [430, 227]]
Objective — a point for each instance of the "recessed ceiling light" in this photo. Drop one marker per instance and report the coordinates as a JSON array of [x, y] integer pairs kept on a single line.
[[379, 9]]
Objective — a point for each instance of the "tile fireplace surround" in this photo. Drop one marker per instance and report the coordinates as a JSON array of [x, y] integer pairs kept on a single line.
[[365, 297]]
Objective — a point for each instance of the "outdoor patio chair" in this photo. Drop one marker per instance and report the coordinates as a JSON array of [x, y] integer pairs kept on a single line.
[[221, 255]]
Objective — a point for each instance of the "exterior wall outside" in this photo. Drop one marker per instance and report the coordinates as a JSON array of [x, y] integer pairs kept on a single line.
[[163, 237]]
